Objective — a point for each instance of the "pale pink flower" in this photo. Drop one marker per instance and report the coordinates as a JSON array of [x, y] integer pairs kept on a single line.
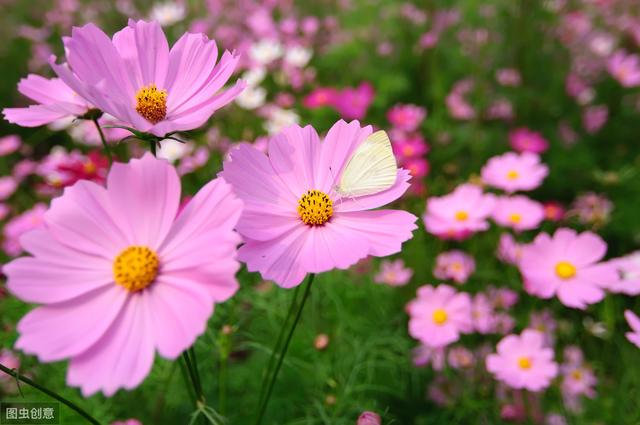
[[509, 250], [295, 222], [525, 140], [625, 68], [482, 314], [9, 359], [512, 172], [120, 275], [455, 265], [9, 144], [544, 322], [523, 362], [508, 77], [518, 212], [634, 323], [406, 117], [460, 358], [594, 117], [502, 297], [628, 281], [393, 273], [8, 185], [136, 78], [460, 213], [439, 315], [577, 377], [19, 225], [55, 101], [424, 355], [567, 265]]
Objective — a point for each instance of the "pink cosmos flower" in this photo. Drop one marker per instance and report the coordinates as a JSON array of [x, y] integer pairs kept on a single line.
[[482, 314], [408, 146], [567, 265], [455, 265], [294, 222], [120, 275], [625, 68], [634, 323], [9, 359], [418, 167], [460, 213], [628, 268], [594, 118], [8, 185], [508, 77], [577, 378], [525, 140], [518, 212], [353, 103], [19, 225], [369, 418], [55, 101], [512, 172], [509, 250], [393, 273], [460, 358], [439, 315], [128, 422], [544, 322], [138, 80], [9, 144], [554, 211], [424, 355], [406, 117], [523, 362]]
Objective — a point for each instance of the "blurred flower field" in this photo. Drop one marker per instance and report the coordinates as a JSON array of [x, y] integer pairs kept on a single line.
[[334, 212]]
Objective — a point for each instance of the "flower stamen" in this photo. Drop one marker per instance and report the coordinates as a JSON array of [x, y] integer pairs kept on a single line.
[[315, 208], [565, 270], [151, 103], [135, 268]]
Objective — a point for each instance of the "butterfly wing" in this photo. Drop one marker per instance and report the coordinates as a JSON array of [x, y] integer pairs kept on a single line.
[[371, 169]]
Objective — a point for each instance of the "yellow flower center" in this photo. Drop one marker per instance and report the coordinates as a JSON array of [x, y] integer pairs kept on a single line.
[[456, 267], [515, 218], [89, 167], [135, 268], [315, 208], [512, 175], [524, 363], [151, 103], [462, 215], [576, 374], [439, 316], [565, 270]]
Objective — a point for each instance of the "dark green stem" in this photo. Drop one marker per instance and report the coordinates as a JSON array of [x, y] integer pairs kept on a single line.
[[194, 377], [104, 140], [276, 348], [71, 405], [285, 347]]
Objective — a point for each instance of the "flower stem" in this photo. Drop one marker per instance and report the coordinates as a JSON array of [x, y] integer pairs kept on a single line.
[[104, 140], [283, 351], [192, 368], [276, 348], [70, 404]]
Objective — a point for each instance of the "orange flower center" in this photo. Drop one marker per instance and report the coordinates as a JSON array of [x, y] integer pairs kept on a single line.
[[515, 218], [462, 215], [315, 208], [512, 175], [151, 103], [135, 268], [524, 363]]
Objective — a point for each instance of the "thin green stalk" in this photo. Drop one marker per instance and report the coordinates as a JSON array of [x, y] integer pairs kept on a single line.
[[195, 379], [50, 393], [276, 348], [187, 381], [283, 352], [222, 381], [104, 140]]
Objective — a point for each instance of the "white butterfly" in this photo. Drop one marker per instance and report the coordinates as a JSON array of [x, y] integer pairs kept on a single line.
[[371, 169]]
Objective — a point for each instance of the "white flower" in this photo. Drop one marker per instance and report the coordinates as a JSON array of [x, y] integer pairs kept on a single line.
[[265, 51], [298, 56], [172, 150], [251, 97], [602, 45], [254, 76], [279, 119], [167, 13]]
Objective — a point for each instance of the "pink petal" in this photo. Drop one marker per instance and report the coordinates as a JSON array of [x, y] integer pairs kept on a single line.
[[292, 154]]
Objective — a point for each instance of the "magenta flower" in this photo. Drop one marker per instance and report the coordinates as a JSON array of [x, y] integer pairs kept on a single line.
[[628, 281], [353, 103], [369, 418], [567, 265], [406, 117], [523, 362], [55, 101], [408, 146], [393, 273], [634, 323], [439, 315], [518, 212], [455, 265], [319, 97], [460, 213], [625, 68], [138, 80], [512, 172], [120, 275], [524, 140], [284, 240]]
